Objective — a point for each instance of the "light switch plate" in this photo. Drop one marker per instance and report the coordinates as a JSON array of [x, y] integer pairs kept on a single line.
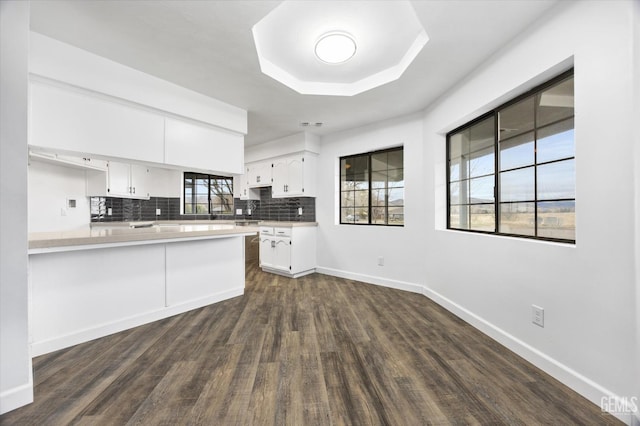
[[158, 212], [238, 211]]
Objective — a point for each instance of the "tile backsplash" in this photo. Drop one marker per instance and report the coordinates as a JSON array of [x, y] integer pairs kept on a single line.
[[267, 208], [282, 209]]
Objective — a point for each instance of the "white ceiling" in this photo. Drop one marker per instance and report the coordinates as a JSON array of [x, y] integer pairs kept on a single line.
[[207, 46]]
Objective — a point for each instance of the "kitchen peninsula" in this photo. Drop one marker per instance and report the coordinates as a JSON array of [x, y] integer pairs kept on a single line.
[[90, 283]]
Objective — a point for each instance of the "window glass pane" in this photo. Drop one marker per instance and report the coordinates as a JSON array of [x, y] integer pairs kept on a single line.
[[556, 141], [396, 196], [379, 161], [555, 103], [378, 197], [379, 215], [202, 209], [358, 164], [357, 181], [455, 197], [361, 198], [348, 215], [556, 180], [556, 219], [459, 217], [517, 119], [481, 190], [517, 185], [482, 217], [395, 159], [473, 150], [517, 151], [454, 169], [480, 160], [362, 215], [379, 179], [188, 209], [396, 215], [348, 199], [395, 178], [517, 218]]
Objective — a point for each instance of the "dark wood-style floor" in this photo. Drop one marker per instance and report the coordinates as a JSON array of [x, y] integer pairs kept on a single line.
[[317, 350]]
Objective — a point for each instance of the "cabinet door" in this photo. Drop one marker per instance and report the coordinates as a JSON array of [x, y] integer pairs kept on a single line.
[[295, 183], [71, 120], [259, 174], [266, 251], [282, 254], [140, 181], [280, 178], [118, 178]]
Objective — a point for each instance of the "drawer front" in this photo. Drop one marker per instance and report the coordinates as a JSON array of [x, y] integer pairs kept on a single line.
[[266, 230], [282, 232]]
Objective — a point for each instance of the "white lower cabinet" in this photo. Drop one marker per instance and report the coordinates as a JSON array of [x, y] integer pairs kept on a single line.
[[288, 250]]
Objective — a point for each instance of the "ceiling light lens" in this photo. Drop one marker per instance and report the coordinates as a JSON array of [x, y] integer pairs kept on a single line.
[[335, 48]]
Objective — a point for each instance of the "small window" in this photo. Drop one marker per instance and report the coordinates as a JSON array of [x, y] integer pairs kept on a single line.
[[512, 171], [372, 188], [207, 194]]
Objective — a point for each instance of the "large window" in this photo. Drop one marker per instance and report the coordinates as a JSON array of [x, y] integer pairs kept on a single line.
[[207, 194], [372, 188], [512, 171]]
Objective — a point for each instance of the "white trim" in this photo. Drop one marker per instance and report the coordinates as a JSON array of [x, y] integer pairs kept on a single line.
[[16, 397], [584, 386], [370, 279], [65, 341]]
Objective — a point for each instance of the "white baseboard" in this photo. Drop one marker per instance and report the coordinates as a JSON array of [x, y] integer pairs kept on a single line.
[[370, 279], [569, 377], [85, 335], [16, 397]]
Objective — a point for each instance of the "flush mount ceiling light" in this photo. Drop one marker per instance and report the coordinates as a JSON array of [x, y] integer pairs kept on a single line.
[[335, 47], [298, 44]]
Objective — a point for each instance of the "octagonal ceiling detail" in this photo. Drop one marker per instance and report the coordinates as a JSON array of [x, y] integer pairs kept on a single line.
[[388, 36]]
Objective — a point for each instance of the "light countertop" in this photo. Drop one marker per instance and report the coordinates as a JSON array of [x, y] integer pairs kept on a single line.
[[114, 235]]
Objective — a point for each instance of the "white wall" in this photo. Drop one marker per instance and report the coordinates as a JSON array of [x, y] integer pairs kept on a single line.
[[50, 186], [353, 251], [16, 384], [588, 290]]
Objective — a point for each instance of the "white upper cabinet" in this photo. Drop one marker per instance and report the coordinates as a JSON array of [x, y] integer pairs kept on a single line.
[[259, 174], [197, 147], [120, 180], [69, 120], [294, 176], [242, 190]]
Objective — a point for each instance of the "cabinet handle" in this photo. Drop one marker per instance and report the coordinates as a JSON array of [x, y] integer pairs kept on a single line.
[[134, 189]]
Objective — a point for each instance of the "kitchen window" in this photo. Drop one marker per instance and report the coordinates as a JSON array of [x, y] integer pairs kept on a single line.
[[372, 188], [512, 171], [207, 194]]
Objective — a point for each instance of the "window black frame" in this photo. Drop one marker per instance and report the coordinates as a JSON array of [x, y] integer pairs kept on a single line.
[[369, 206], [209, 178], [496, 189]]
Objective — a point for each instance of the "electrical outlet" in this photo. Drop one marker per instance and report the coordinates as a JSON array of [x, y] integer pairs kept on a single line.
[[248, 212], [537, 315], [299, 211], [380, 261], [109, 211], [158, 212], [238, 211]]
